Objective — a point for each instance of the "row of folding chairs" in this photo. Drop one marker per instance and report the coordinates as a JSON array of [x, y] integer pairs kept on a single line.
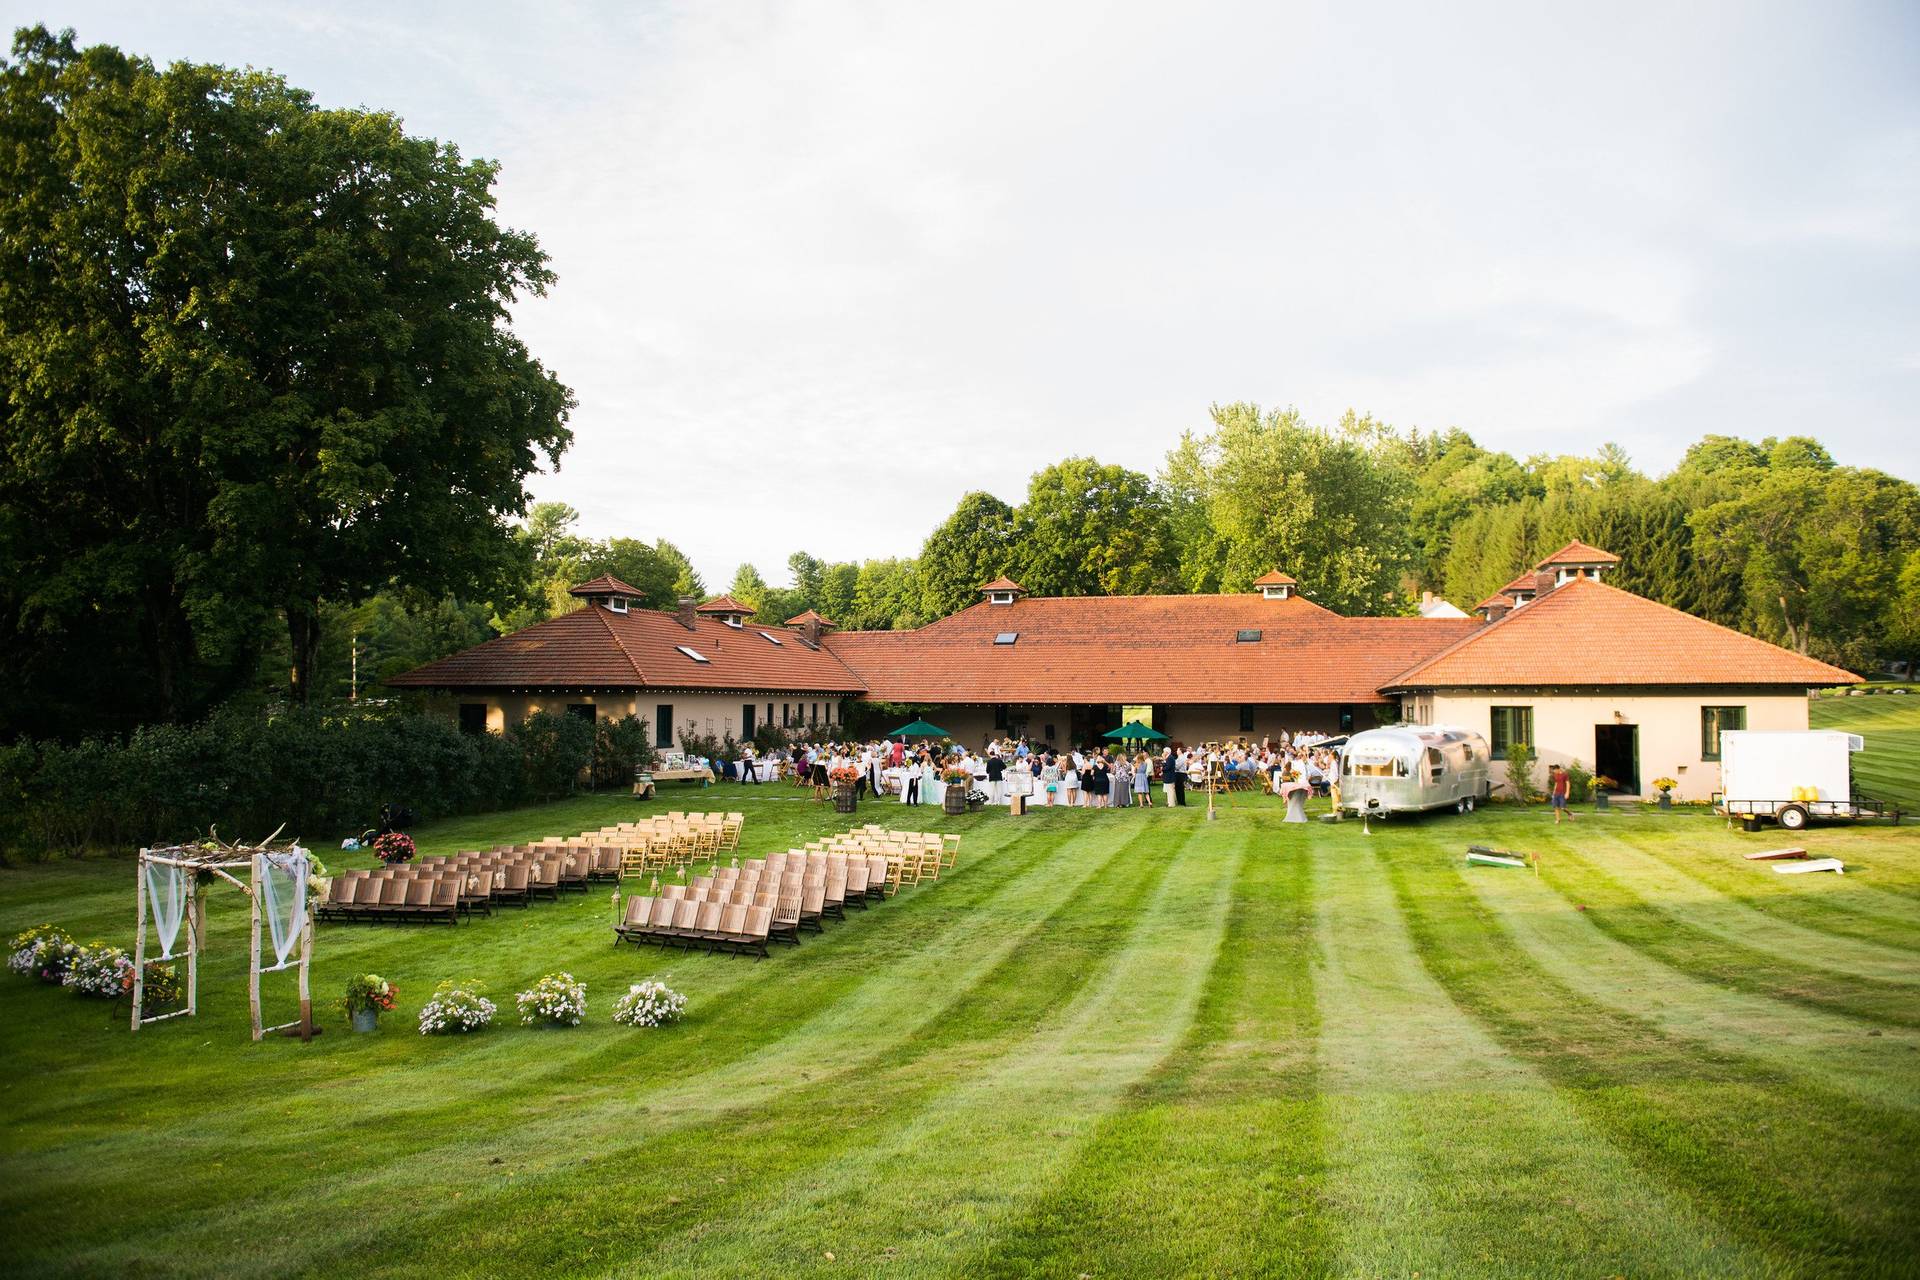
[[741, 928], [798, 891], [671, 839], [508, 876]]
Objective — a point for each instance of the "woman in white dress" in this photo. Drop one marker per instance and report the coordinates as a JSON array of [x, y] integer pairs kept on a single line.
[[1070, 782]]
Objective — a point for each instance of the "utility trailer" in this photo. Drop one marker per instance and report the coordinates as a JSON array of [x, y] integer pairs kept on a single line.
[[1792, 777]]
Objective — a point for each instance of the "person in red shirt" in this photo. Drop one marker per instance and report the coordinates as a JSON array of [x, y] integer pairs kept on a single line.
[[1559, 790]]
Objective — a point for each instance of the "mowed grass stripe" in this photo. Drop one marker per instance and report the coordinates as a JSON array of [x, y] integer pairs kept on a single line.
[[1844, 906], [648, 1185], [1669, 932], [1817, 1181], [563, 1099], [1822, 1048], [1430, 1120], [947, 1177], [1213, 1164]]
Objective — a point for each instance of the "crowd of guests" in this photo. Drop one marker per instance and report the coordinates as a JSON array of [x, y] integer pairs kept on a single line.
[[1106, 777]]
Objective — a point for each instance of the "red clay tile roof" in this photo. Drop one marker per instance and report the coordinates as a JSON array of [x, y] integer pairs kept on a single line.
[[1276, 579], [725, 604], [1578, 552], [1500, 598], [1002, 583], [1138, 649], [800, 619], [595, 648], [1525, 582], [604, 585], [1589, 633]]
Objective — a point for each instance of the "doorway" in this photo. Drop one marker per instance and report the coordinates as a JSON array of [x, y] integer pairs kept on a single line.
[[1616, 754], [747, 710]]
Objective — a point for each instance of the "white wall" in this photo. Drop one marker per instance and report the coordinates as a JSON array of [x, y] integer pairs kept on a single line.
[[1669, 725], [715, 713]]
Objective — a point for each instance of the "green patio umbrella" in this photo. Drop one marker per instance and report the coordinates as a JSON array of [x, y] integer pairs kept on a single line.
[[919, 729], [1132, 731]]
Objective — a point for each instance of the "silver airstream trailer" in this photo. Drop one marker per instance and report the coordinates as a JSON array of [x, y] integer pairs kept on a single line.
[[1410, 768]]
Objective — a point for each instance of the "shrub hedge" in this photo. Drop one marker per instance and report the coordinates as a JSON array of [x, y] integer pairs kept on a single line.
[[323, 772]]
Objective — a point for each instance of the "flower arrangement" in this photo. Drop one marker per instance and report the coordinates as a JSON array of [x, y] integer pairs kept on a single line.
[[369, 992], [161, 986], [1603, 783], [45, 952], [956, 772], [649, 1004], [455, 1009], [843, 773], [1664, 784], [393, 847], [101, 971], [555, 999]]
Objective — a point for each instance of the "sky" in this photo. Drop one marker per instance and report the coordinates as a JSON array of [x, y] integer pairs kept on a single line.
[[823, 268]]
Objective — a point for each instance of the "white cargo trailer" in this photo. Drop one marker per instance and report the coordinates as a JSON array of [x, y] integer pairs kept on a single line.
[[1791, 776]]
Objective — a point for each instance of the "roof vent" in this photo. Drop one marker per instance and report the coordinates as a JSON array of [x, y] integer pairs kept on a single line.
[[1247, 637], [695, 654], [1007, 637], [770, 638]]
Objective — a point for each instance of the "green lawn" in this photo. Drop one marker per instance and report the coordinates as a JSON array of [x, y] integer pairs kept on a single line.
[[1107, 1044], [1889, 769]]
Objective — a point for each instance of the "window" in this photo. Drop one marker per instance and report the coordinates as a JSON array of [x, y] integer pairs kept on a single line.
[[1713, 722], [1346, 719], [1246, 717], [473, 717], [617, 603], [1510, 725], [695, 654], [786, 715], [1376, 768], [1247, 637], [1007, 637], [813, 713], [770, 638], [585, 710], [769, 719], [1000, 716], [663, 725]]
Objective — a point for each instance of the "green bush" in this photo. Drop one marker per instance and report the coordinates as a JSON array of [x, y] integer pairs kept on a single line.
[[324, 772], [1579, 783], [1520, 762], [622, 746]]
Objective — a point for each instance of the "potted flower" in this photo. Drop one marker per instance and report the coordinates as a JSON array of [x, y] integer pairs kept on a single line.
[[1665, 787], [456, 1008], [45, 952], [101, 971], [959, 780], [1601, 786], [649, 1004], [393, 848], [555, 1001], [845, 776], [368, 996]]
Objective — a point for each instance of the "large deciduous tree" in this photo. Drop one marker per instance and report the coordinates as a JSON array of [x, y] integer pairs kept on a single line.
[[257, 356], [973, 546], [1093, 529]]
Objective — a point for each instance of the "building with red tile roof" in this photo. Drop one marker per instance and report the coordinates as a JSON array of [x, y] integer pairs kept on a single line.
[[1575, 667]]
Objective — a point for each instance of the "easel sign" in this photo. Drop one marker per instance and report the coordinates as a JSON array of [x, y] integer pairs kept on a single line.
[[168, 885]]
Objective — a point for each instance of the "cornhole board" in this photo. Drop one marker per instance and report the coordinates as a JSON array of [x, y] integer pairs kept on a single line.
[[1771, 855], [1475, 858], [1812, 864]]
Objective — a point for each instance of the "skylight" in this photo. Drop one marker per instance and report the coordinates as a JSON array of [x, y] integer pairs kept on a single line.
[[1247, 637], [771, 638], [1006, 637], [695, 654]]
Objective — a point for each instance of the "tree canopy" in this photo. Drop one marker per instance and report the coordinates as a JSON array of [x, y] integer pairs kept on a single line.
[[259, 360]]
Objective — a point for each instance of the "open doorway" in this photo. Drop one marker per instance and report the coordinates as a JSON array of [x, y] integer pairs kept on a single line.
[[1616, 755]]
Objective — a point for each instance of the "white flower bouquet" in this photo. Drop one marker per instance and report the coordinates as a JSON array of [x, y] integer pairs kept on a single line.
[[555, 999], [454, 1009], [100, 970], [649, 1004]]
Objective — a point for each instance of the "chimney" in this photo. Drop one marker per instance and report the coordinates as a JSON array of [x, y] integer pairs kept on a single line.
[[1494, 610], [685, 613], [1543, 581], [1426, 598], [810, 631]]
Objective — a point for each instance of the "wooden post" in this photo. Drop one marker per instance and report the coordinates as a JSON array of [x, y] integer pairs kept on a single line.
[[194, 908], [306, 994], [253, 951], [139, 934]]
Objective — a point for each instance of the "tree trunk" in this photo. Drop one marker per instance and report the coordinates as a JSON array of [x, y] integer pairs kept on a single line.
[[303, 635]]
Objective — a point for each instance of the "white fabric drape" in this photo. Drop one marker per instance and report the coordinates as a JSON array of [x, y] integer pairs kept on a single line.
[[167, 894], [283, 891]]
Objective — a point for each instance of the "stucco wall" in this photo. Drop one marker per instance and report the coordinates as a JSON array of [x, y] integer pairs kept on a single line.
[[1190, 723], [716, 713], [1669, 726]]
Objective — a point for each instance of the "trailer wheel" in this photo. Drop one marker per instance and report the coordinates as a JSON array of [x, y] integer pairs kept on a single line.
[[1466, 805], [1792, 818]]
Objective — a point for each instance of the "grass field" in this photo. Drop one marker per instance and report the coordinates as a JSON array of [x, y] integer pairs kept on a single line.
[[1107, 1044], [1889, 769]]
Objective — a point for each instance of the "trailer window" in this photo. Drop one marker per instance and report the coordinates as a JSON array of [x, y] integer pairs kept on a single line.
[[1713, 722], [1377, 768]]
